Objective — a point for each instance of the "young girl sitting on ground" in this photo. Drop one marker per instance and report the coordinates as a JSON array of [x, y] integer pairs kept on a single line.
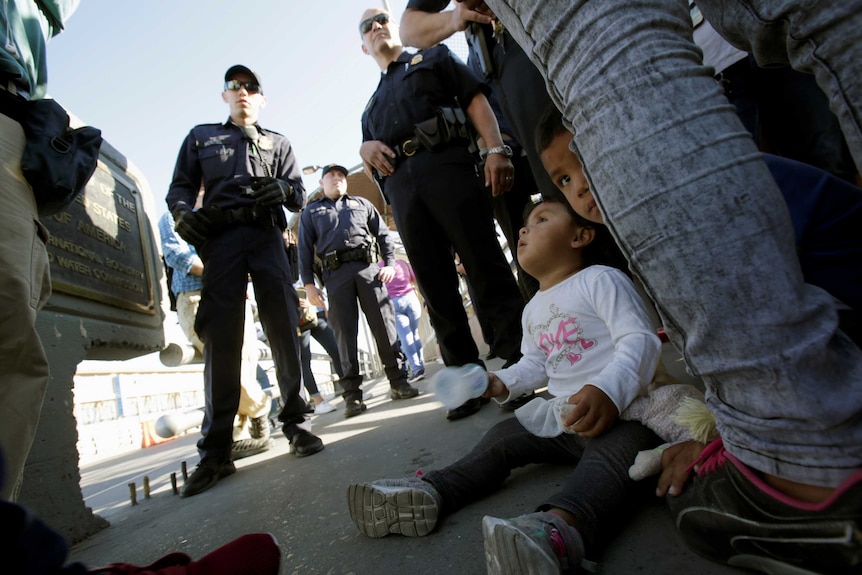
[[587, 336]]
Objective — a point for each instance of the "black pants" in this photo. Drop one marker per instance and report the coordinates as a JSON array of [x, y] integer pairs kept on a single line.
[[357, 282], [598, 492], [523, 97], [228, 259], [509, 212], [324, 336], [439, 203]]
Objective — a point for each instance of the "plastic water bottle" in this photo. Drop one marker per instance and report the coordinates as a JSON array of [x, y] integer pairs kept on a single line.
[[453, 386]]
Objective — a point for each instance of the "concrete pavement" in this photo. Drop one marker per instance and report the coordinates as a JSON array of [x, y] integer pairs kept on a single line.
[[302, 501]]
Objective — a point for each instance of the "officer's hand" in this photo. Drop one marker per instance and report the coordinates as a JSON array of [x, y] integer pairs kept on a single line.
[[594, 412], [270, 191], [193, 227], [314, 296], [462, 15], [499, 174], [379, 156], [477, 5]]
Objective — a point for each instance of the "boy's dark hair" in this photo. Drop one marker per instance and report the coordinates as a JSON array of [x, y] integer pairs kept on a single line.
[[602, 250], [549, 127]]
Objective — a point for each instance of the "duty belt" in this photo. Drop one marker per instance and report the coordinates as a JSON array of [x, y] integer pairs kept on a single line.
[[333, 260], [407, 148], [247, 215]]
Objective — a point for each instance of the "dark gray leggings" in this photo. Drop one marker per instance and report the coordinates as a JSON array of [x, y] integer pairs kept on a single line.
[[597, 492]]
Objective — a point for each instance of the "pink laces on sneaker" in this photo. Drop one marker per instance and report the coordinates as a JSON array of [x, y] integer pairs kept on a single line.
[[712, 457], [558, 543]]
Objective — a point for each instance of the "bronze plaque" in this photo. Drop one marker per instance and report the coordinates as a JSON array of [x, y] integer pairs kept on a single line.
[[98, 248]]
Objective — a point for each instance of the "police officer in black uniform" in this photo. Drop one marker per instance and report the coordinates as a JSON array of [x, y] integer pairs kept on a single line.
[[519, 96], [249, 175], [346, 232], [517, 84], [416, 143]]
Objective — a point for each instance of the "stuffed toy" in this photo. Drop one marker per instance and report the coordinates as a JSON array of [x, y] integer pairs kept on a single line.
[[675, 412], [691, 419]]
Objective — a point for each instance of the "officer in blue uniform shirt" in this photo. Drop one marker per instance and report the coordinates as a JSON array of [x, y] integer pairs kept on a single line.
[[249, 175], [345, 232], [418, 143]]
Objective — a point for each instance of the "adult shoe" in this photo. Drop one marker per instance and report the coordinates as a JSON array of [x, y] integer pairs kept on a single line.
[[519, 401], [469, 407], [258, 427], [302, 441], [418, 375], [248, 447], [207, 473], [403, 391], [323, 407], [354, 407], [729, 514]]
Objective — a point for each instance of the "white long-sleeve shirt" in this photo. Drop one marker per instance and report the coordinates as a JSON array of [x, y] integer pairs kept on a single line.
[[591, 328]]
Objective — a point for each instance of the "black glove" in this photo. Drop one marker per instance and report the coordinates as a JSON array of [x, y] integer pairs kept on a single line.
[[270, 191], [194, 227]]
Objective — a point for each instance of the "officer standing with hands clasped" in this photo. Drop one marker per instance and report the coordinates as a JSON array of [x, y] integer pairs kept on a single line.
[[418, 140], [342, 230], [249, 175]]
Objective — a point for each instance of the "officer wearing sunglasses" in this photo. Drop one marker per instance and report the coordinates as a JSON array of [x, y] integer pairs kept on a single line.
[[438, 194], [249, 175]]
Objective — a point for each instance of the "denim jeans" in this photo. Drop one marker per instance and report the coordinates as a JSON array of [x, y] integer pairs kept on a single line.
[[691, 203], [408, 310], [598, 492]]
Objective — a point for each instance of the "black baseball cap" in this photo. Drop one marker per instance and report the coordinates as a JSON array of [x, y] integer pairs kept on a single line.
[[330, 167], [240, 69]]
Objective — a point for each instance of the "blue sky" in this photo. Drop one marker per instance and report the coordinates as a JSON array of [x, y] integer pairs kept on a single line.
[[146, 72]]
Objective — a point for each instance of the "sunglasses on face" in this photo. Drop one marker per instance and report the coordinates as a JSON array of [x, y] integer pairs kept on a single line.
[[366, 25], [250, 87]]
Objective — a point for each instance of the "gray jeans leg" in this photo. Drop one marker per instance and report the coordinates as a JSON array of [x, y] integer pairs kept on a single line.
[[691, 203], [822, 38]]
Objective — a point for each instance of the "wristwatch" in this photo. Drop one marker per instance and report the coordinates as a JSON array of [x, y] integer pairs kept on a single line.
[[504, 150]]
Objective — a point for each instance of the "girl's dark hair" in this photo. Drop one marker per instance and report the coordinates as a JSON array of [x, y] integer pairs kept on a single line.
[[602, 250], [549, 127]]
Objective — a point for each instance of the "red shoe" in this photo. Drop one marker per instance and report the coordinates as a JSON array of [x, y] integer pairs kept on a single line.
[[252, 554]]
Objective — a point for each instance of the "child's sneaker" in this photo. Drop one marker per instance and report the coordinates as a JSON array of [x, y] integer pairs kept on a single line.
[[533, 544], [729, 514], [407, 506]]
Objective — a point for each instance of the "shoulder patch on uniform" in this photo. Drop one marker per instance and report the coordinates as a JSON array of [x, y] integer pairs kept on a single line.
[[214, 141]]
